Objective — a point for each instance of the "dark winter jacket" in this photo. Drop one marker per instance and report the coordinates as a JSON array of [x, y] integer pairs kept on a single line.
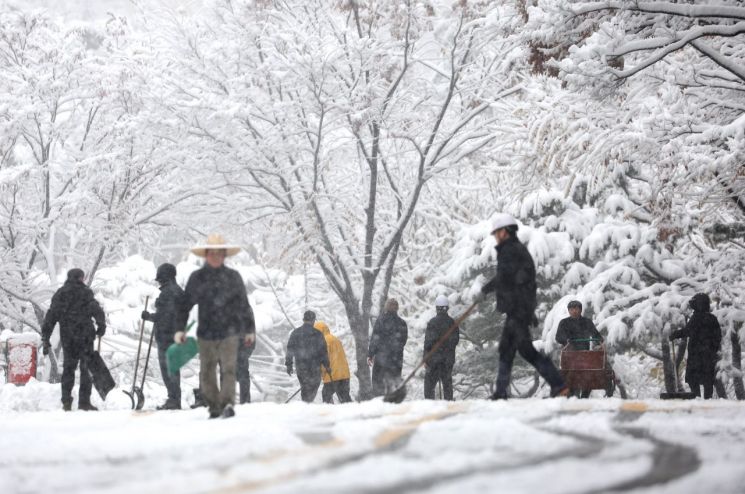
[[167, 315], [308, 347], [515, 280], [387, 341], [73, 306], [223, 303], [436, 327], [577, 329], [705, 339]]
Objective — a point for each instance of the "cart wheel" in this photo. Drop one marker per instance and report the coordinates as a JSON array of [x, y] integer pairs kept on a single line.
[[621, 390]]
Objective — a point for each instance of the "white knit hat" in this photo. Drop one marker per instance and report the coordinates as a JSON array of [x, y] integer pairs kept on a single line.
[[442, 301], [502, 220]]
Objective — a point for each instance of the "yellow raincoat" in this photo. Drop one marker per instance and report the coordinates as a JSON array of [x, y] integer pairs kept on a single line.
[[337, 357]]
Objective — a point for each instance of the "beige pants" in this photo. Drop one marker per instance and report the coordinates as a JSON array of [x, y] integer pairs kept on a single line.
[[211, 354]]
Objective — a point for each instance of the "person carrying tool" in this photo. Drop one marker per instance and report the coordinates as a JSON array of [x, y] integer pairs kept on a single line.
[[225, 321], [704, 342], [165, 321], [307, 349], [338, 381], [385, 352], [73, 306], [515, 288], [439, 368], [576, 331]]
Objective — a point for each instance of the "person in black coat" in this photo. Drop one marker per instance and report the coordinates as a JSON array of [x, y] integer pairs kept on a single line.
[[704, 342], [385, 353], [73, 307], [572, 330], [307, 348], [439, 368], [515, 287], [577, 327], [166, 324]]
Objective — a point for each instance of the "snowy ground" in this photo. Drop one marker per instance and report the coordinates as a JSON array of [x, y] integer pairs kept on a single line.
[[546, 446]]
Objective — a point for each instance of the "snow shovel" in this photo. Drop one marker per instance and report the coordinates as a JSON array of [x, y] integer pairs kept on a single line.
[[677, 395], [100, 375], [398, 394], [135, 390], [178, 354]]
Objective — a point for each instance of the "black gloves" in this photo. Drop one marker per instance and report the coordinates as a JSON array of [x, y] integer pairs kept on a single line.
[[101, 331], [480, 297], [146, 316], [289, 370], [45, 347]]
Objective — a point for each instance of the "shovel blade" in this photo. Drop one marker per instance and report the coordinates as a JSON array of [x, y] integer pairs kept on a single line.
[[140, 399], [396, 396], [680, 395]]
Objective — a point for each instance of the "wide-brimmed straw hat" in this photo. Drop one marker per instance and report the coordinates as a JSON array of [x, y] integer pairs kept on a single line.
[[215, 241]]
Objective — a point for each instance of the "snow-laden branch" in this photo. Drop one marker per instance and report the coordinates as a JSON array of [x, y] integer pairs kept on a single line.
[[677, 9], [721, 60], [689, 38]]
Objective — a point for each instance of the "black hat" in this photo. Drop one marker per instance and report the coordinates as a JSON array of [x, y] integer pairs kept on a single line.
[[76, 274], [574, 303], [166, 272], [309, 316], [700, 303]]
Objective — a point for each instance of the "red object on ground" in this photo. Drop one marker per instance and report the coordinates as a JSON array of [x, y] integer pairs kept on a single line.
[[21, 361]]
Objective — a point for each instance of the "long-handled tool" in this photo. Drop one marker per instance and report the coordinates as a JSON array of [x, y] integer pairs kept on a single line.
[[135, 390], [398, 394], [677, 394], [293, 395]]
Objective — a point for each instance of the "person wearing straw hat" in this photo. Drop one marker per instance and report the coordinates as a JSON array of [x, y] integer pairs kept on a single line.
[[224, 323]]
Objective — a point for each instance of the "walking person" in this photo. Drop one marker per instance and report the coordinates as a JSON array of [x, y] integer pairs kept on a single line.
[[439, 368], [74, 308], [225, 321], [515, 288], [704, 342], [306, 349], [575, 331], [336, 382], [385, 353], [165, 321]]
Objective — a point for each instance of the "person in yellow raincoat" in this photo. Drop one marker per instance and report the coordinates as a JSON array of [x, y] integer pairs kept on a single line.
[[338, 381]]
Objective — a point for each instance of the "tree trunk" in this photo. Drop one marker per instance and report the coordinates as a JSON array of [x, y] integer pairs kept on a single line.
[[360, 330]]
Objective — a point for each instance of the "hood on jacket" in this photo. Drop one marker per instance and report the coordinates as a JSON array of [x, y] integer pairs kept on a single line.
[[322, 327]]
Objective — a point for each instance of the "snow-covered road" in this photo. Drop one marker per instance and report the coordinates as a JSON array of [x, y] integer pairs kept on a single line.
[[546, 446]]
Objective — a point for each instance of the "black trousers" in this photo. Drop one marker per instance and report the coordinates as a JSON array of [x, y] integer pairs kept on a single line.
[[516, 338], [172, 381], [708, 389], [340, 388], [77, 352], [385, 378], [243, 376], [439, 371], [310, 380]]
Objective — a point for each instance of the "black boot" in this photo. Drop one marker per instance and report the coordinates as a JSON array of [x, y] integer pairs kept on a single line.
[[67, 405], [198, 399], [169, 405], [87, 407]]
